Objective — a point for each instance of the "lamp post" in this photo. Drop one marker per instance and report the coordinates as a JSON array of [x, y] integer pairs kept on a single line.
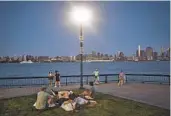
[[81, 15], [81, 56]]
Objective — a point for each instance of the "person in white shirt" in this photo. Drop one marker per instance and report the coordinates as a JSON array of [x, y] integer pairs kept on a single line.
[[96, 76]]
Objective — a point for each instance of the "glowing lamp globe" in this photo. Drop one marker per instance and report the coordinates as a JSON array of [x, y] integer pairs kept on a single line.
[[81, 15]]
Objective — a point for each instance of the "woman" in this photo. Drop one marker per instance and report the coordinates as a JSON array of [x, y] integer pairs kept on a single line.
[[50, 76], [121, 78]]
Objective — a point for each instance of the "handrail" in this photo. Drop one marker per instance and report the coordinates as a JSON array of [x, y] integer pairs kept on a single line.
[[72, 79], [36, 77]]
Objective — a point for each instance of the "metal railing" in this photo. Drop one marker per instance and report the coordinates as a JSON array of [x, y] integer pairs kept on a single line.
[[75, 79]]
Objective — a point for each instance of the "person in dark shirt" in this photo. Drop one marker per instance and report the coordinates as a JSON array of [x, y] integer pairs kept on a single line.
[[57, 76]]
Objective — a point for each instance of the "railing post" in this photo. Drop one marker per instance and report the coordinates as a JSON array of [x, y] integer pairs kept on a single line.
[[87, 80], [126, 80], [105, 79], [169, 79], [66, 82]]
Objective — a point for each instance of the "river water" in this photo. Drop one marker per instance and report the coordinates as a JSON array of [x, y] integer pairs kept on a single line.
[[42, 69]]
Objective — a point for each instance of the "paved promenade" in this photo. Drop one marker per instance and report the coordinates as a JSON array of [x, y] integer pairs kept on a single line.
[[153, 94]]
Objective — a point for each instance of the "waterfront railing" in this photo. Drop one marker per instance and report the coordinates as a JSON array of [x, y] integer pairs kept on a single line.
[[9, 82]]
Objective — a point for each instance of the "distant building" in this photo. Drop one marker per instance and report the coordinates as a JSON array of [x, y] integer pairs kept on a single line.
[[162, 52], [20, 58], [93, 54], [98, 56], [133, 57], [110, 56], [72, 58], [101, 55], [130, 58], [106, 55], [65, 58], [121, 56], [36, 58], [142, 55], [168, 52], [139, 53], [15, 58], [118, 53], [155, 55], [149, 53], [24, 58], [43, 58], [136, 53], [78, 57]]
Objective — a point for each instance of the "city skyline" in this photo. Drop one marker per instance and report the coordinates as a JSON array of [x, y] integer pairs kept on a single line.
[[137, 52], [147, 54], [162, 49], [38, 29]]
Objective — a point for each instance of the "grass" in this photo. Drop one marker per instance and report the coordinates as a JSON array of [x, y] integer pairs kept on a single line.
[[107, 106]]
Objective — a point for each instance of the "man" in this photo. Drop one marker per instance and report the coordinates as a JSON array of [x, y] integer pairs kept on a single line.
[[57, 76], [44, 99], [121, 78], [96, 75]]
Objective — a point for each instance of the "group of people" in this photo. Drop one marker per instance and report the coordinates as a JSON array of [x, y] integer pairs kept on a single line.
[[51, 76], [121, 78], [67, 100], [56, 75]]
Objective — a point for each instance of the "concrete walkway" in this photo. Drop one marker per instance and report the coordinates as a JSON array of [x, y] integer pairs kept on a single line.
[[153, 94]]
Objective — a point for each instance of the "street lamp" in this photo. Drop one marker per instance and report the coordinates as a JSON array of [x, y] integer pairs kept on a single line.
[[81, 16]]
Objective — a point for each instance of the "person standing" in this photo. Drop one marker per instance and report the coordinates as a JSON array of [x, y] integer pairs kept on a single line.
[[50, 76], [124, 78], [96, 76], [121, 78], [57, 76]]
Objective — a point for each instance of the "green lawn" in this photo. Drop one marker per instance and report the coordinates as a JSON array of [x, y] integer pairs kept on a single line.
[[107, 106]]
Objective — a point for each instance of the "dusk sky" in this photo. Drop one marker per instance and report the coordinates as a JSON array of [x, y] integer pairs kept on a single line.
[[41, 28]]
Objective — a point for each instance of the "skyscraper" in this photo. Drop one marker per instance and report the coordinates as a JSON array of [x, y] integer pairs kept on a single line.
[[162, 52], [136, 53], [155, 55], [142, 55], [149, 53], [168, 53], [139, 54]]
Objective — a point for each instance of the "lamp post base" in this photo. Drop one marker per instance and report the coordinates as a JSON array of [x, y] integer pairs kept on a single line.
[[81, 88]]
